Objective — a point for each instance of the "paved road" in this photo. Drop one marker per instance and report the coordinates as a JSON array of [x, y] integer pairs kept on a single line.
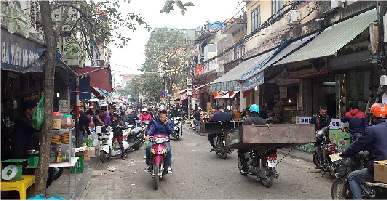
[[199, 174]]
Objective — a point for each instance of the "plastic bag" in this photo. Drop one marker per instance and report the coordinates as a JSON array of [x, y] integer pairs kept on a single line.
[[41, 197], [38, 116]]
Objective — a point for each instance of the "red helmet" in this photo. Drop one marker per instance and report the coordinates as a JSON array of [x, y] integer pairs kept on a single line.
[[379, 110]]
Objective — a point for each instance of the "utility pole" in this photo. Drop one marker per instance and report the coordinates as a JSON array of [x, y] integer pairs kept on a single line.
[[77, 105]]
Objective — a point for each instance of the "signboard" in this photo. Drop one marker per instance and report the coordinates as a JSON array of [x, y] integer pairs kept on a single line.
[[336, 124], [310, 68], [303, 120], [254, 81], [19, 54], [283, 91]]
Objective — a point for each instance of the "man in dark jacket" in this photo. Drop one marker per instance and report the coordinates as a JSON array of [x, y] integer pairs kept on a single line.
[[197, 119], [254, 119], [357, 121], [160, 126], [117, 126], [175, 112], [131, 117], [83, 125], [375, 139], [219, 116], [25, 137], [320, 120]]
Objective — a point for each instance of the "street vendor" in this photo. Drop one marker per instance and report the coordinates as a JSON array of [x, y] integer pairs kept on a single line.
[[25, 137], [254, 119]]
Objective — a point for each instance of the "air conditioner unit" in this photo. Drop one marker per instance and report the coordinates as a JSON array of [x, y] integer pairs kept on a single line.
[[293, 17], [337, 4]]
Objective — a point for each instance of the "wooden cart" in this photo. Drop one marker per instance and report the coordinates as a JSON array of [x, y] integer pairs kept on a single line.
[[216, 127], [276, 136]]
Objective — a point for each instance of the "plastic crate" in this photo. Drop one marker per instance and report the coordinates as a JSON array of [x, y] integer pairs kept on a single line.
[[79, 166]]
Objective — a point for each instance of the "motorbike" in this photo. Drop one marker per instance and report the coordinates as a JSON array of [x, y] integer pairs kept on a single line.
[[158, 158], [109, 146], [327, 148], [178, 128], [135, 136], [340, 188], [263, 165], [221, 148]]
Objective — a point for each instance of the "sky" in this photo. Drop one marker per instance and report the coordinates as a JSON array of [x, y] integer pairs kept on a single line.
[[130, 58]]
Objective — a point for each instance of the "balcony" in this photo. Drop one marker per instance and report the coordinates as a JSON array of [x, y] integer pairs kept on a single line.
[[236, 24]]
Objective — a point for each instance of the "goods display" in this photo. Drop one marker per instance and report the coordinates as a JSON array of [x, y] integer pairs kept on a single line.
[[56, 120], [67, 121], [56, 139]]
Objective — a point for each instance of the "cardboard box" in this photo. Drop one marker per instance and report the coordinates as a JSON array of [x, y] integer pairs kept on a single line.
[[380, 172], [92, 152], [87, 155]]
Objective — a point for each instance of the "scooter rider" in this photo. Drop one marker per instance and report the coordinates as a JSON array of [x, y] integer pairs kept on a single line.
[[357, 121], [254, 119], [218, 116], [320, 120], [375, 139], [160, 126], [117, 126], [145, 116]]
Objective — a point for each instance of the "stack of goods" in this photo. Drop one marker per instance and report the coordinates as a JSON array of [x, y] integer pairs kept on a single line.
[[65, 138], [56, 139]]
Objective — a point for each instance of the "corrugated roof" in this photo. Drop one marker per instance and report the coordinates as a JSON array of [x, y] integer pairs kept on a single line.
[[242, 68], [333, 38]]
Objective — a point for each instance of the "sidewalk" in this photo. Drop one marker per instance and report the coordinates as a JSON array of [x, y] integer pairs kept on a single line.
[[297, 154], [60, 187]]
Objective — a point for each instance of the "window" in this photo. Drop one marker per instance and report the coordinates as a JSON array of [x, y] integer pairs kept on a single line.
[[255, 18], [277, 5]]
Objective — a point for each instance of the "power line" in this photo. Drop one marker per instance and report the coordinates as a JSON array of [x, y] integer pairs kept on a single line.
[[270, 21]]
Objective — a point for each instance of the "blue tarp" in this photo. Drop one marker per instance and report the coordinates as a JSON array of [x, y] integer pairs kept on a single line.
[[84, 88]]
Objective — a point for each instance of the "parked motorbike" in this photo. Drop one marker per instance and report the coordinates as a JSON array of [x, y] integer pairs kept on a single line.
[[340, 188], [158, 158], [221, 147], [263, 165], [327, 148], [109, 146], [135, 136], [178, 128]]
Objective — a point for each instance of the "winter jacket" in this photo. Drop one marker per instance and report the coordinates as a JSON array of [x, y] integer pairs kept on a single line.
[[117, 127], [159, 128], [197, 115], [375, 140], [220, 116], [254, 119], [357, 121], [320, 121], [24, 138], [146, 117]]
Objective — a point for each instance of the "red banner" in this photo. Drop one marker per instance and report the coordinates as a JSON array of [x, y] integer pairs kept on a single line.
[[198, 69]]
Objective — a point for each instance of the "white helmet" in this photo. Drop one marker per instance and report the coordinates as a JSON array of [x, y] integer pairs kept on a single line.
[[162, 107], [144, 110], [199, 108]]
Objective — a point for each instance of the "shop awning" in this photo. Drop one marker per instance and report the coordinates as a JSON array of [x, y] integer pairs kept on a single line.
[[333, 38], [229, 81], [256, 77], [226, 94]]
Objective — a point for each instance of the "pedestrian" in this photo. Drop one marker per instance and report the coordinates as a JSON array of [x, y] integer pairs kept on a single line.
[[320, 120], [83, 125], [357, 121], [25, 137]]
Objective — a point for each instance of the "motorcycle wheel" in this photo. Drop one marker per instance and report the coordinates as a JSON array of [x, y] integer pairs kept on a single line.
[[103, 156], [157, 177], [340, 190], [316, 160], [177, 137], [268, 180], [224, 154]]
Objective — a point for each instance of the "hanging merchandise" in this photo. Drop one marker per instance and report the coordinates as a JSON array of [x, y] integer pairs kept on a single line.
[[38, 116]]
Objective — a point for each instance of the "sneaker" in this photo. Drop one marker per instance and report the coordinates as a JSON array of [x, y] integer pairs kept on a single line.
[[144, 156], [169, 170], [147, 169]]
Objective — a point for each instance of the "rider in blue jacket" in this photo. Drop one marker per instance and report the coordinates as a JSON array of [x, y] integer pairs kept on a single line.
[[375, 140], [160, 126]]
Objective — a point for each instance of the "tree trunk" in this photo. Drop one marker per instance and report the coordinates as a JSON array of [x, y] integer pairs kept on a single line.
[[49, 72]]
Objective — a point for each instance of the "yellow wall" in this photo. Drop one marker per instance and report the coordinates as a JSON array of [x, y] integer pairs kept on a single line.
[[265, 36]]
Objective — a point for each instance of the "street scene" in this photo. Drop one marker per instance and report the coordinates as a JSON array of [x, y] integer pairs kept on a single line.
[[193, 99]]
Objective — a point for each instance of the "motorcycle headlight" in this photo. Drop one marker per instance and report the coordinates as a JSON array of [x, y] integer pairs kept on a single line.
[[152, 150], [164, 151]]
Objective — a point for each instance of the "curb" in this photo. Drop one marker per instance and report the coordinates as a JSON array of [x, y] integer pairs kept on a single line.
[[81, 186]]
